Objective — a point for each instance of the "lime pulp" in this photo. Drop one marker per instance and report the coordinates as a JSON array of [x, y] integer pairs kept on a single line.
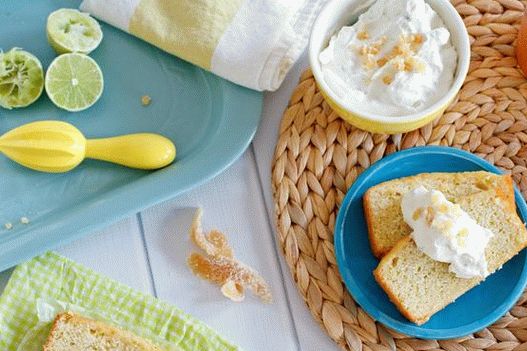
[[70, 30], [74, 82], [21, 78]]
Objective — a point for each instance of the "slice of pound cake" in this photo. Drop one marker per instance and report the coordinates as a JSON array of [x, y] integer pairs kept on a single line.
[[71, 332], [420, 286], [382, 203]]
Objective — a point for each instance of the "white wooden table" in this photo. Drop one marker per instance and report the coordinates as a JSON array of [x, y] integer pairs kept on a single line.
[[149, 250]]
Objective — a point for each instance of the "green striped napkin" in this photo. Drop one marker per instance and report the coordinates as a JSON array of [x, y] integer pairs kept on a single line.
[[42, 284]]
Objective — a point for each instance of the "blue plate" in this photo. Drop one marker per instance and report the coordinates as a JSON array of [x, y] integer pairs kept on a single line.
[[210, 120], [474, 310]]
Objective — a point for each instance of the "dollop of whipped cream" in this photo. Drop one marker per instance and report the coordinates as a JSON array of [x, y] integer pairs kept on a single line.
[[446, 233], [397, 59]]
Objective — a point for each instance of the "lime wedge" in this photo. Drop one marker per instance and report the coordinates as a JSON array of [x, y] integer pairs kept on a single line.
[[70, 30], [21, 78], [74, 82]]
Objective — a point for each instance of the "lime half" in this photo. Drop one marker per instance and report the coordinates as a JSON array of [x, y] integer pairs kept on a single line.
[[70, 30], [21, 78], [74, 82]]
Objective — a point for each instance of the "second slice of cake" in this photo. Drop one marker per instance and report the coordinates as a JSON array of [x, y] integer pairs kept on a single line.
[[382, 203]]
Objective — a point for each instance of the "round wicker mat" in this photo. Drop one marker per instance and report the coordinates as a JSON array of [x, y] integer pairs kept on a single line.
[[318, 156]]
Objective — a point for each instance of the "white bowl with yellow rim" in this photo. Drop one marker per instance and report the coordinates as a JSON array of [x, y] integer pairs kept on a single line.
[[339, 13]]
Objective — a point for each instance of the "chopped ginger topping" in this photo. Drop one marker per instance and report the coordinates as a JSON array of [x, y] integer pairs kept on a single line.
[[411, 64], [362, 35], [368, 53], [398, 64], [382, 61], [443, 208], [387, 79], [218, 265], [429, 215], [445, 226], [462, 237], [369, 50], [417, 39], [463, 232], [417, 213], [402, 54], [381, 41], [369, 62], [408, 67]]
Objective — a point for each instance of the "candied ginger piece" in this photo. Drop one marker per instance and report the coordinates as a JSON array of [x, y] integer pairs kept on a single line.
[[219, 241], [221, 270], [214, 244], [218, 265], [233, 291], [205, 268]]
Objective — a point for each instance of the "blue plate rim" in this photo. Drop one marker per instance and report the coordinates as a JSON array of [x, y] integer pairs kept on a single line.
[[415, 330]]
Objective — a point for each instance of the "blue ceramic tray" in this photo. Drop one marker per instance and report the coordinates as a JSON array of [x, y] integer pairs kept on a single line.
[[474, 310], [210, 120]]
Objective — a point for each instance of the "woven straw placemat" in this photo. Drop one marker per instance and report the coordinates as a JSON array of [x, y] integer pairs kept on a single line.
[[318, 156]]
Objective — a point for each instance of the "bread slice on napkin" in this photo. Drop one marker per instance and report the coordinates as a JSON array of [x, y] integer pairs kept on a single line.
[[71, 332], [382, 203]]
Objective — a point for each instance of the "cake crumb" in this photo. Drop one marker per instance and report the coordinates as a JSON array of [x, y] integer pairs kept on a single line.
[[146, 100], [24, 220], [8, 226]]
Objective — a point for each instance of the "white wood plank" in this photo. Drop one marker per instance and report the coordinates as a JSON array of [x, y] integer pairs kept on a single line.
[[310, 334], [233, 203], [265, 139], [117, 251]]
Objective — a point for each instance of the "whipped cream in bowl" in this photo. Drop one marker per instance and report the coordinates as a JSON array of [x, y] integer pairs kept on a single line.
[[389, 66], [397, 59]]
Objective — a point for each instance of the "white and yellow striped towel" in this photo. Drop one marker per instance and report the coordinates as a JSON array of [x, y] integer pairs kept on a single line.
[[253, 43]]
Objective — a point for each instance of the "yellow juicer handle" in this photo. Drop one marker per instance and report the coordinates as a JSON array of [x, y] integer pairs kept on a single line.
[[141, 150]]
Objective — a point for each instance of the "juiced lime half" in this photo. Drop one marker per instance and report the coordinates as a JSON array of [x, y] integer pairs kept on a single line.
[[70, 30], [74, 82], [21, 78]]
